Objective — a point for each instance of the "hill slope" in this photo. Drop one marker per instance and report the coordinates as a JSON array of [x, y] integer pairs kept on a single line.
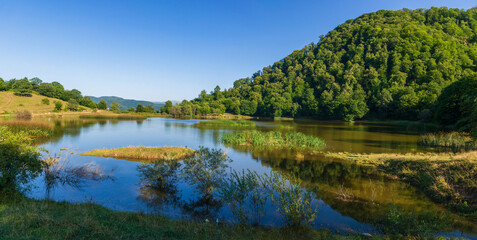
[[10, 103], [387, 64], [124, 104]]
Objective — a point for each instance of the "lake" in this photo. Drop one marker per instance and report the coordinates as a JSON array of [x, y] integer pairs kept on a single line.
[[349, 197]]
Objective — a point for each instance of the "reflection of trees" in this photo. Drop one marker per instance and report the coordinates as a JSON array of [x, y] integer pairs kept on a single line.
[[204, 171]]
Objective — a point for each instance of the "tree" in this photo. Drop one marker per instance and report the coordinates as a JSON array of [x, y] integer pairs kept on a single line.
[[47, 89], [23, 87], [58, 106], [2, 85], [140, 108], [102, 105], [72, 105], [114, 106], [167, 107]]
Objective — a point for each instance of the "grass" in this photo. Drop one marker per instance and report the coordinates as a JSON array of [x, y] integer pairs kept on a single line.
[[23, 218], [446, 178], [34, 129], [272, 139], [448, 141], [225, 123], [143, 154], [10, 103]]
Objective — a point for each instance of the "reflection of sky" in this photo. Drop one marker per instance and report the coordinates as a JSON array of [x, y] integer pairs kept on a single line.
[[122, 193]]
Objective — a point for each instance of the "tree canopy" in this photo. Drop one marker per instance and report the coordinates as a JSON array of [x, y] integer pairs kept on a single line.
[[386, 64]]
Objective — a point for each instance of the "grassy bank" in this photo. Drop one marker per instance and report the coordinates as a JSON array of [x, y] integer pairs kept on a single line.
[[22, 218], [453, 141], [143, 154], [275, 139], [447, 178]]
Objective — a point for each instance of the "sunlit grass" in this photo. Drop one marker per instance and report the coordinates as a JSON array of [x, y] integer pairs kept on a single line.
[[114, 116], [225, 123], [141, 153], [448, 141], [272, 139]]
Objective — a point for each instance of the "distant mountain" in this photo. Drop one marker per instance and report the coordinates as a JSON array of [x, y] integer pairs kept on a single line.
[[124, 104]]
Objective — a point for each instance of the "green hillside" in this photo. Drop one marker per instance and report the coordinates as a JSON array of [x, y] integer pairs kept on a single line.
[[386, 64], [125, 104]]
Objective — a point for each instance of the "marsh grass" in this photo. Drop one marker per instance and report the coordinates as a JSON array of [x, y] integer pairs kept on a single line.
[[453, 141], [275, 139], [33, 129], [143, 154], [448, 178], [226, 123]]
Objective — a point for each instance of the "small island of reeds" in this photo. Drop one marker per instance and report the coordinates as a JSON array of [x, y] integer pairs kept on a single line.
[[114, 116], [453, 141], [225, 123], [142, 154], [275, 139]]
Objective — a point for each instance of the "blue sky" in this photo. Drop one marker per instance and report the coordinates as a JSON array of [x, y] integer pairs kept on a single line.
[[160, 50]]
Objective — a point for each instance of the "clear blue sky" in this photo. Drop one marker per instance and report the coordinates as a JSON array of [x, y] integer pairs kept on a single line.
[[160, 50]]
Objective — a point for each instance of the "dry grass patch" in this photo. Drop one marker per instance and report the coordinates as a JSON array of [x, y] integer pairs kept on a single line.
[[142, 154]]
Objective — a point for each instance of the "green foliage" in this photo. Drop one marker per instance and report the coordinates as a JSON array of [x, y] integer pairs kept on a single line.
[[19, 161], [225, 123], [2, 84], [386, 64], [206, 169], [294, 203], [102, 105], [398, 223], [457, 105], [22, 87], [72, 105], [114, 107], [45, 101], [58, 106], [246, 194], [453, 141], [162, 174], [271, 139]]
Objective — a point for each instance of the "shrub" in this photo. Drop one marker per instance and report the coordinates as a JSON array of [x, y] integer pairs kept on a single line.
[[19, 161], [58, 106], [45, 101], [72, 105], [25, 115]]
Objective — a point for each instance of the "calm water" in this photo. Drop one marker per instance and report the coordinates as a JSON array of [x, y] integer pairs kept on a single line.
[[349, 197]]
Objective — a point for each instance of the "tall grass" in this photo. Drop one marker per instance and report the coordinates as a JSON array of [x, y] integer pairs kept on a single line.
[[225, 123], [113, 116], [272, 139], [144, 154], [448, 141]]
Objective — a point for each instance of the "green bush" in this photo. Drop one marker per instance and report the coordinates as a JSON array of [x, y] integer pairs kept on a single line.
[[19, 161], [45, 101], [272, 139], [58, 106]]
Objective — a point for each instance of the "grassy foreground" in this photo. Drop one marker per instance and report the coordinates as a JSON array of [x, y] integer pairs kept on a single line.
[[143, 154], [272, 139], [23, 218], [445, 177]]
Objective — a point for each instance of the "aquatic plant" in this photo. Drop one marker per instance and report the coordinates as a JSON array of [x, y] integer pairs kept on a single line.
[[206, 169], [271, 139], [225, 123], [398, 223], [141, 153], [161, 174], [246, 195], [454, 141], [295, 204]]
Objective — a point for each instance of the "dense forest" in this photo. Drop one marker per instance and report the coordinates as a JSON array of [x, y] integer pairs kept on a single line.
[[381, 65]]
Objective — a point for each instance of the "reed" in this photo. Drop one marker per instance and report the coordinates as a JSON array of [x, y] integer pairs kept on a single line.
[[113, 116], [142, 154], [448, 141], [225, 123], [272, 139]]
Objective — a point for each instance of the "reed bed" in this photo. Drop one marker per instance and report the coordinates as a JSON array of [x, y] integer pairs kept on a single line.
[[33, 129], [272, 139], [143, 154], [226, 123], [448, 141]]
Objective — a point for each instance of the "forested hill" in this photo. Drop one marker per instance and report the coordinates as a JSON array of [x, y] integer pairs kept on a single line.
[[125, 104], [387, 64]]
